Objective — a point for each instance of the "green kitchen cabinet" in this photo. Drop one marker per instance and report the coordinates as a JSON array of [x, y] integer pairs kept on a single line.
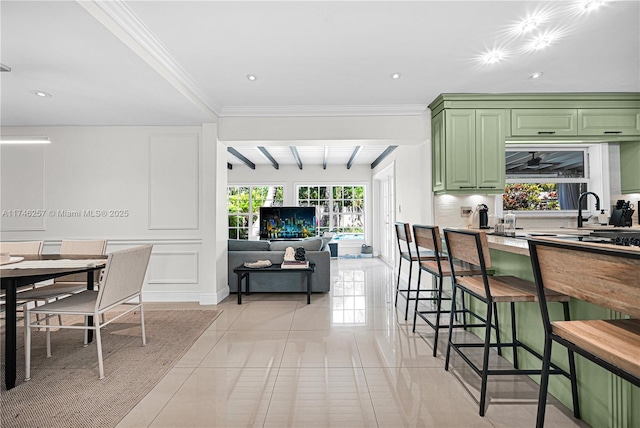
[[608, 122], [630, 167], [544, 122], [471, 148]]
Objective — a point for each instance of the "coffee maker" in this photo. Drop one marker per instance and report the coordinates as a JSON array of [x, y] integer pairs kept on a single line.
[[480, 219]]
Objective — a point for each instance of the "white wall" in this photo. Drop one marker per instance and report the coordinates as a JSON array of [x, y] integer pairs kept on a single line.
[[129, 185]]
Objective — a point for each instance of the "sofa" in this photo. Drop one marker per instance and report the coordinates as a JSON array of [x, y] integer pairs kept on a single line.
[[316, 250]]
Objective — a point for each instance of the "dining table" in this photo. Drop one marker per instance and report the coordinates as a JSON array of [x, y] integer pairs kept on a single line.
[[23, 271]]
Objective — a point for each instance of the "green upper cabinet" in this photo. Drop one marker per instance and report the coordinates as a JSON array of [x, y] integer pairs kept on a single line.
[[608, 122], [630, 167], [473, 142], [544, 122]]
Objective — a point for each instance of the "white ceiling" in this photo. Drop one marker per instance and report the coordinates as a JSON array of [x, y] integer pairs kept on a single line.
[[185, 62]]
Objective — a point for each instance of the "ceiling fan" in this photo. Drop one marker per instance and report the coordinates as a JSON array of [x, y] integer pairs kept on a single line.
[[535, 162]]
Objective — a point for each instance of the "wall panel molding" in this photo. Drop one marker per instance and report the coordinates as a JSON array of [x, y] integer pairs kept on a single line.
[[174, 182]]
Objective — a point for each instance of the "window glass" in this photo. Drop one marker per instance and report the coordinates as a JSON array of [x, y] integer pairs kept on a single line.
[[244, 204], [336, 206], [545, 180]]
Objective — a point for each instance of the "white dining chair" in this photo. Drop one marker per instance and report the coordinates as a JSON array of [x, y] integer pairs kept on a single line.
[[121, 284]]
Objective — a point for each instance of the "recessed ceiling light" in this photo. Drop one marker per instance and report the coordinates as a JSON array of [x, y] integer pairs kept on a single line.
[[251, 77], [396, 75], [493, 56], [42, 94], [536, 75]]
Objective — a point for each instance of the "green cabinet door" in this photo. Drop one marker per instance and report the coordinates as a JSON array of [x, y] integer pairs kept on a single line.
[[438, 152], [460, 156], [602, 122], [630, 167], [544, 122], [490, 149]]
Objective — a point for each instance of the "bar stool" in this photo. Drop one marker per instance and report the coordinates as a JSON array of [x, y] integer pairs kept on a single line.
[[427, 240], [465, 246], [403, 234]]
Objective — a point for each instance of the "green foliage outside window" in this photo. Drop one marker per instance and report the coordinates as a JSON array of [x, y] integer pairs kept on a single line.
[[244, 203], [530, 197], [340, 208]]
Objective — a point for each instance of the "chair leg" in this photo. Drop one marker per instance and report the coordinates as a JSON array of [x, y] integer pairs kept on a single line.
[[572, 368], [46, 320], [96, 324], [485, 359], [415, 312], [27, 345], [497, 326], [406, 309], [438, 309], [514, 335], [398, 281], [544, 383], [144, 336], [453, 311]]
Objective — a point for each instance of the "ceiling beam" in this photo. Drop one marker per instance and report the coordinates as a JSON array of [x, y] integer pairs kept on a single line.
[[383, 155], [266, 153], [239, 155], [229, 166], [325, 157], [296, 156], [353, 156]]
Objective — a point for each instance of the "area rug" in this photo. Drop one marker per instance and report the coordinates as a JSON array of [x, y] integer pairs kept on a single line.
[[64, 391]]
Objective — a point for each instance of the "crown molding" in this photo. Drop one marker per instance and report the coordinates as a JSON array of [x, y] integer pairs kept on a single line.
[[325, 111], [118, 18]]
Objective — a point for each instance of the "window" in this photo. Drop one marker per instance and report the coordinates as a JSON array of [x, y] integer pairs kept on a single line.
[[340, 208], [545, 178], [244, 204]]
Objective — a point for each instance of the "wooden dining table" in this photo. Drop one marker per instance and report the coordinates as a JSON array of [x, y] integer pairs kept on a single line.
[[31, 270]]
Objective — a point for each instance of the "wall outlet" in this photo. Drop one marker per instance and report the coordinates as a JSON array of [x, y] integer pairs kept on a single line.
[[465, 211]]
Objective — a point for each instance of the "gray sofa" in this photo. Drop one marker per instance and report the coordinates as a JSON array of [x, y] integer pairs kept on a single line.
[[317, 251]]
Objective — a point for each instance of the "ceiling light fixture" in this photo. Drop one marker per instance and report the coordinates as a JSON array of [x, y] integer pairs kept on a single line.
[[589, 5], [23, 139], [536, 75], [528, 24], [396, 75], [541, 42], [493, 56], [42, 94], [251, 77]]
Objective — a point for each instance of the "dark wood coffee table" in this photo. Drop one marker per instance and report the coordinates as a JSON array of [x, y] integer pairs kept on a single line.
[[244, 272]]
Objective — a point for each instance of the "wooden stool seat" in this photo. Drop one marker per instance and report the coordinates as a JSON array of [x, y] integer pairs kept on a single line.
[[507, 289], [617, 341]]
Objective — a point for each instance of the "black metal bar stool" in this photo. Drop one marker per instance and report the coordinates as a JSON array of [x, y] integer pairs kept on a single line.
[[465, 246], [403, 234]]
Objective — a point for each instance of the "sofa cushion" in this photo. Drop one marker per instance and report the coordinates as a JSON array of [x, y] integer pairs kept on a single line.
[[309, 244], [325, 241], [244, 245]]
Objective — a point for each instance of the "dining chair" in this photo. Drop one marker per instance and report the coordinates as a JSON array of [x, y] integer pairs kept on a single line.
[[121, 285], [466, 247]]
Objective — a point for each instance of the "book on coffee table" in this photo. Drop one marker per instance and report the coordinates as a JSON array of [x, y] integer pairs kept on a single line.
[[295, 264]]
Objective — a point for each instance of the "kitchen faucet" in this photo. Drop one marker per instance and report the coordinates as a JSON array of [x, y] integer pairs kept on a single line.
[[582, 196]]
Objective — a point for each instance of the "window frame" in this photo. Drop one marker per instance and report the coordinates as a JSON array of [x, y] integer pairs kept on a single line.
[[331, 200], [253, 230], [596, 176]]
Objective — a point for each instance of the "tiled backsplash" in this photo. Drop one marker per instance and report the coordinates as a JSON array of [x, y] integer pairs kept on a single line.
[[447, 211]]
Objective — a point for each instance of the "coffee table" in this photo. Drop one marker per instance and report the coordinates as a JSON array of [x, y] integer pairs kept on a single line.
[[244, 272]]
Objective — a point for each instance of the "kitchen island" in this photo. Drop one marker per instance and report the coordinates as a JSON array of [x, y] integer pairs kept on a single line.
[[605, 399]]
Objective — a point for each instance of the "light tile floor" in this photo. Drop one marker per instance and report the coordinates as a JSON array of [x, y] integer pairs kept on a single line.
[[349, 359]]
